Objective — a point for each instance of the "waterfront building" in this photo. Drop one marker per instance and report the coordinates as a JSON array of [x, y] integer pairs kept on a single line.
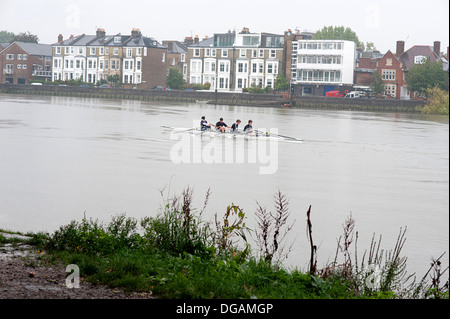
[[139, 61], [393, 67], [235, 61], [20, 62], [320, 66]]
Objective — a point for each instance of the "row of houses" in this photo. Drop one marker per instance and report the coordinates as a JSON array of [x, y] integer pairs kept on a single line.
[[227, 62]]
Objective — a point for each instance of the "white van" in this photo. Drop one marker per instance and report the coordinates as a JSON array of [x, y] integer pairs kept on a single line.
[[355, 94], [35, 83]]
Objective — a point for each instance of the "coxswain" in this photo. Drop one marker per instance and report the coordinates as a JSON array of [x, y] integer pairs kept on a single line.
[[221, 125], [204, 124]]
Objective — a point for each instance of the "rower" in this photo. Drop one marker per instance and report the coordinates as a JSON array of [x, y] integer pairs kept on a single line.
[[248, 128], [234, 127], [221, 125], [204, 124]]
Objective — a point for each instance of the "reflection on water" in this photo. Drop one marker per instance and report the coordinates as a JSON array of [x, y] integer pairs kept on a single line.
[[62, 157]]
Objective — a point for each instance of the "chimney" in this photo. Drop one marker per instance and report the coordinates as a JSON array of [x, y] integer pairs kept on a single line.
[[437, 48], [100, 32], [60, 38], [400, 47], [71, 36], [196, 39], [135, 32], [188, 40]]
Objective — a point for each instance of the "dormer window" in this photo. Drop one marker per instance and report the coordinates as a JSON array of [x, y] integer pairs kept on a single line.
[[420, 59], [117, 39]]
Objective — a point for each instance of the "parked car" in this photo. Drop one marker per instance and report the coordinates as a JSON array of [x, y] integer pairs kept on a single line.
[[104, 86], [355, 94], [85, 85], [158, 87], [36, 83], [334, 93]]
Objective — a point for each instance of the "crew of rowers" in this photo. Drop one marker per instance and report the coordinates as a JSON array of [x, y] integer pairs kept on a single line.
[[221, 126]]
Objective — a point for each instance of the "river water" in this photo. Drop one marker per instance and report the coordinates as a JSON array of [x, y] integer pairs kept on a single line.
[[63, 158]]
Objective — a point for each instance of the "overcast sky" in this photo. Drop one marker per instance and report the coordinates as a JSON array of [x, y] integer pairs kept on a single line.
[[382, 21]]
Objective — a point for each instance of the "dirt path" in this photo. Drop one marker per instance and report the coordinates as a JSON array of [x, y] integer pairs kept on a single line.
[[23, 275]]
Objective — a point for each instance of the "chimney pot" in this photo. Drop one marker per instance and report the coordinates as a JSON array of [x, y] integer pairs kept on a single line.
[[100, 32], [60, 38], [135, 32]]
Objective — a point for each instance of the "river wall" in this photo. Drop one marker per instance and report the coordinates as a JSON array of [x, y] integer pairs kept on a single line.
[[326, 103]]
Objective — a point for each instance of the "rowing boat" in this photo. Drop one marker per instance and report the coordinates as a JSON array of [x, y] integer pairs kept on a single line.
[[238, 134]]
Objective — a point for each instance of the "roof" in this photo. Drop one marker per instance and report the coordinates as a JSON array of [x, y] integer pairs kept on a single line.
[[108, 40], [408, 56], [33, 48], [179, 47], [204, 43]]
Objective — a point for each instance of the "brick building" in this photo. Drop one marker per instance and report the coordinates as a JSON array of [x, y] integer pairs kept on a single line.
[[176, 56], [139, 61], [20, 62], [393, 67], [234, 61]]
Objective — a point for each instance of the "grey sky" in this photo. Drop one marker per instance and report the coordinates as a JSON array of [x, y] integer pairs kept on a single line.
[[382, 22]]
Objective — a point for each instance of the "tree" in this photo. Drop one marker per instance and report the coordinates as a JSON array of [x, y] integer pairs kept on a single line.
[[26, 37], [370, 46], [377, 84], [174, 79], [281, 84], [114, 79], [6, 37], [428, 75], [338, 33]]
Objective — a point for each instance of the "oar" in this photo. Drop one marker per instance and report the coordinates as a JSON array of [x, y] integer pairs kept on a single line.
[[284, 136], [191, 129]]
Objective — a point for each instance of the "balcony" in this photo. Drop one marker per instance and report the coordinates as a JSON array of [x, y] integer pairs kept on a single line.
[[46, 74]]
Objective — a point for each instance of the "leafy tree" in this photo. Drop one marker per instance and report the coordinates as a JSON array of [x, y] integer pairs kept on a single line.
[[174, 79], [428, 75], [26, 37], [377, 84], [370, 46], [338, 33], [6, 37], [114, 79], [281, 84]]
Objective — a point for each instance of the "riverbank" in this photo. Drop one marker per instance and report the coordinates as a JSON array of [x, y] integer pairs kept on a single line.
[[226, 98], [25, 273], [177, 255]]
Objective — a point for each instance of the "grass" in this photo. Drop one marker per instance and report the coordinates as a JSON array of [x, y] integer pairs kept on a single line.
[[179, 255]]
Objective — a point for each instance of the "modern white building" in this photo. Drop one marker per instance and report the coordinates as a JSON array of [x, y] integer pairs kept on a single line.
[[322, 66]]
